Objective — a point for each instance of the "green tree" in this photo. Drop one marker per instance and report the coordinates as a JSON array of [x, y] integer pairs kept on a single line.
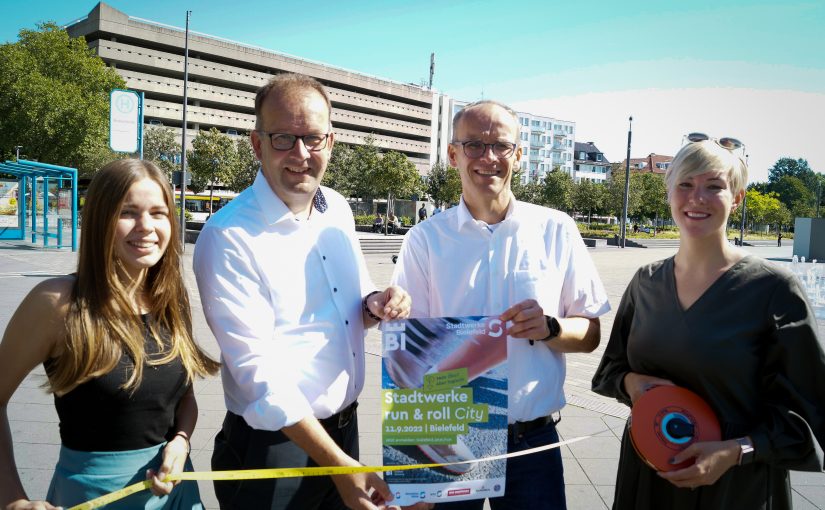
[[557, 190], [530, 192], [792, 168], [161, 145], [653, 202], [763, 208], [341, 174], [55, 99], [796, 195], [243, 174], [443, 184], [395, 177], [366, 159], [213, 159], [614, 199], [588, 197]]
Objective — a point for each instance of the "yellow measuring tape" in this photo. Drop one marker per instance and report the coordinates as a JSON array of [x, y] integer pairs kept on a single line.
[[259, 474]]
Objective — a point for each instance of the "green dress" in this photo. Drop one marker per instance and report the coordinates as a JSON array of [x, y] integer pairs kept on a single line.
[[749, 347]]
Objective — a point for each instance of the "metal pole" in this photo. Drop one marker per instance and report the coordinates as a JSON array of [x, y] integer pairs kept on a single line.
[[183, 138], [141, 103], [17, 152], [744, 212], [818, 194], [626, 181]]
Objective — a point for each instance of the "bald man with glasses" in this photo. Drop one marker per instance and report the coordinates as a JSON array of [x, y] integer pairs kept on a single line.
[[493, 255]]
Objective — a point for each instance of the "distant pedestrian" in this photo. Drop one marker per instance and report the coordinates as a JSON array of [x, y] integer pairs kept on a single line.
[[377, 224], [436, 210], [422, 214], [779, 239]]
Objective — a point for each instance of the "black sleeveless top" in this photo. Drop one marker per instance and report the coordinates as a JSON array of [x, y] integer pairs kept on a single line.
[[100, 416]]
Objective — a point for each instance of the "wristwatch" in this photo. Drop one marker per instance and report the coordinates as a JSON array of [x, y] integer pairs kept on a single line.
[[746, 450], [553, 326]]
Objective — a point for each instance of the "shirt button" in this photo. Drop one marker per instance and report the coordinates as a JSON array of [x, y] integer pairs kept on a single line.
[[335, 289], [324, 257], [346, 322]]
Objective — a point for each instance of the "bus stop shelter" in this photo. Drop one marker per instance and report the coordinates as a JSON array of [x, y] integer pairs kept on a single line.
[[31, 177]]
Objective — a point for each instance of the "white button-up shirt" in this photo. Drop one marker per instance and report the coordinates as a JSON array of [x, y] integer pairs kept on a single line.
[[283, 297], [453, 265]]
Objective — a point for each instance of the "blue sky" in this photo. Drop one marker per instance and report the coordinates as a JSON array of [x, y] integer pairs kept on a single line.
[[751, 69]]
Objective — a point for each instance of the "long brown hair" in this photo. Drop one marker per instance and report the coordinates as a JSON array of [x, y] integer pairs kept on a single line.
[[102, 320]]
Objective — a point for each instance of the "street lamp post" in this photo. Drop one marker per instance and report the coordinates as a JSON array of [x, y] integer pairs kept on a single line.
[[626, 181], [744, 212], [17, 152], [183, 137]]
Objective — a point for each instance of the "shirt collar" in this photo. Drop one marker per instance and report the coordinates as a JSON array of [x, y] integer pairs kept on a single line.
[[464, 217], [273, 208]]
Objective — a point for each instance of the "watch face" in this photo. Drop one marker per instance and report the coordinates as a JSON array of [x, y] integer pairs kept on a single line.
[[553, 326]]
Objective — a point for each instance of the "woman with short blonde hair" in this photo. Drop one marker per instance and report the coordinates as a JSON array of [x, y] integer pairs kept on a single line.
[[731, 327]]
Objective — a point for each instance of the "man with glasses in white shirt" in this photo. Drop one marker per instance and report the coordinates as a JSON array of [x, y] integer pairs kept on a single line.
[[493, 255], [286, 292]]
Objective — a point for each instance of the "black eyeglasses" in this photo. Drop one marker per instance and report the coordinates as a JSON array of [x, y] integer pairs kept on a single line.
[[726, 142], [475, 149], [285, 142]]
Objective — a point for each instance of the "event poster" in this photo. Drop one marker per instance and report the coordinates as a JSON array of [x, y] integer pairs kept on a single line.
[[444, 399]]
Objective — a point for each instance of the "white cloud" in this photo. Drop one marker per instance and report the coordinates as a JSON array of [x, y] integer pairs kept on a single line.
[[771, 123]]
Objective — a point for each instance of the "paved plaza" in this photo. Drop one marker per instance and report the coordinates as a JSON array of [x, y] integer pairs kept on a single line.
[[590, 465]]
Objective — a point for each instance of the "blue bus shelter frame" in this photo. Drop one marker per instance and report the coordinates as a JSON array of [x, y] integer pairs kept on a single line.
[[30, 172]]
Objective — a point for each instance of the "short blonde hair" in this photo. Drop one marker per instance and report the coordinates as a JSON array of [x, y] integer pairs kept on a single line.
[[707, 156]]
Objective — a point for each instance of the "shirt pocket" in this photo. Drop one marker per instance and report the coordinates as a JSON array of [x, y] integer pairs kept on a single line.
[[542, 285]]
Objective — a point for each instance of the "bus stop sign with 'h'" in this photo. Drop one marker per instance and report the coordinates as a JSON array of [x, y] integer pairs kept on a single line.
[[126, 121]]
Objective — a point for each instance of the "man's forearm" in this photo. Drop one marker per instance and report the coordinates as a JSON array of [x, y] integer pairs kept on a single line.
[[578, 334], [311, 437]]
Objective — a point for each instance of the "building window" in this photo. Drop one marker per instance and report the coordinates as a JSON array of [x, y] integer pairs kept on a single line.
[[582, 155], [536, 123], [598, 157]]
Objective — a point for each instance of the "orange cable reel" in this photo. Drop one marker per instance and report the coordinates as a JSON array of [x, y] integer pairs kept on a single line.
[[666, 420]]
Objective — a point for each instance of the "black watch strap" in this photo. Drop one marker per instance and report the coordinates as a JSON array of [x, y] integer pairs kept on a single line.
[[553, 326]]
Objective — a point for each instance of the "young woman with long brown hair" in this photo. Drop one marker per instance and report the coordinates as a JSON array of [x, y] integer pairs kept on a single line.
[[116, 342]]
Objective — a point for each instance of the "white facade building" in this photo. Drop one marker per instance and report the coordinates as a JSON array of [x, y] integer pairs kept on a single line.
[[546, 144]]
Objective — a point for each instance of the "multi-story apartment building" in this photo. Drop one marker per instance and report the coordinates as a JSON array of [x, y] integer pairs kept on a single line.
[[590, 163], [546, 143], [652, 163], [224, 75]]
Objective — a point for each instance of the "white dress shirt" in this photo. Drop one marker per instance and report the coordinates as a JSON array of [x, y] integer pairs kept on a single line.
[[282, 296], [453, 265]]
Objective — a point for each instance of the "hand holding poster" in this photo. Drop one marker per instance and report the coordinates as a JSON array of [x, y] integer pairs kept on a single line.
[[444, 399]]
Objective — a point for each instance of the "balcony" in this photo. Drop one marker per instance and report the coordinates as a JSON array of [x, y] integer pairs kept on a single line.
[[558, 147], [559, 134]]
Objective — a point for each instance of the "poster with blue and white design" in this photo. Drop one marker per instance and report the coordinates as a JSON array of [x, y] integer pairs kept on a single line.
[[444, 400]]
